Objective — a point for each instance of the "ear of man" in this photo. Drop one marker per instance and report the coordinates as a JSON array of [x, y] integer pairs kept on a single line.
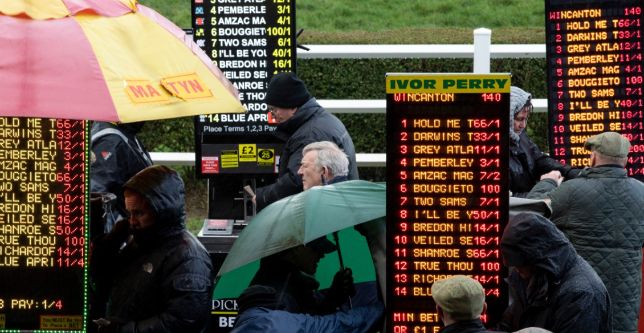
[[323, 176]]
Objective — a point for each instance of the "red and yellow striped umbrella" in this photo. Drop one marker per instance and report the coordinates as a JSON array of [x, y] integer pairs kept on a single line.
[[108, 60]]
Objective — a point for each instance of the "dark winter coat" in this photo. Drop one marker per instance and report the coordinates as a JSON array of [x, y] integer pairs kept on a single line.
[[162, 280], [117, 156], [262, 320], [602, 213], [564, 294], [265, 309], [528, 163], [297, 292], [470, 326], [311, 123]]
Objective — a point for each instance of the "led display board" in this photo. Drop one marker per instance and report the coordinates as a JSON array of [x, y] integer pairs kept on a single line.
[[447, 190], [594, 57], [249, 41], [43, 215]]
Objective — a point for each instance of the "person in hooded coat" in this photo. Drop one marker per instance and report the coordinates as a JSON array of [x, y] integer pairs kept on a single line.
[[157, 275], [301, 120], [527, 162], [551, 286]]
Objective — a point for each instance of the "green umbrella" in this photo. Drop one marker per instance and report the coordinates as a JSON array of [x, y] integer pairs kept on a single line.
[[303, 217]]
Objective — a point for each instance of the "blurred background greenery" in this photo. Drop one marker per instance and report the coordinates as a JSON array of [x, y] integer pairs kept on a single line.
[[377, 22]]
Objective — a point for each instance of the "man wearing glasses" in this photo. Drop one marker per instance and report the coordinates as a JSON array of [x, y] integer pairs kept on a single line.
[[301, 120]]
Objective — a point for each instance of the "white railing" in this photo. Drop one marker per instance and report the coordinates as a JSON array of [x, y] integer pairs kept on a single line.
[[395, 51], [481, 52], [364, 160]]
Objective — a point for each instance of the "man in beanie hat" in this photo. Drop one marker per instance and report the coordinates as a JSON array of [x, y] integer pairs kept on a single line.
[[601, 213], [158, 276], [551, 286], [301, 120], [527, 162], [460, 301]]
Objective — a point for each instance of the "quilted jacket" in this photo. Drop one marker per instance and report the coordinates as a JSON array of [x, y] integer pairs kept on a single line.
[[602, 213], [564, 294]]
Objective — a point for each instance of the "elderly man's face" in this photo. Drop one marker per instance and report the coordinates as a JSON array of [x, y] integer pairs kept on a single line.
[[141, 214], [311, 175]]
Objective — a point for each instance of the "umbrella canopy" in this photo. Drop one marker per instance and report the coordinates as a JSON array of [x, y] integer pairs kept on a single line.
[[303, 217], [233, 283], [108, 60]]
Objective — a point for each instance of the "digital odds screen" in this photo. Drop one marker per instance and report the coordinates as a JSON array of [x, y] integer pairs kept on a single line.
[[594, 57], [250, 41], [447, 190], [43, 214]]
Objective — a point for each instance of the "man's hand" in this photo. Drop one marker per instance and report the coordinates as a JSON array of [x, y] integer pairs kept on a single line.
[[554, 175], [106, 326], [342, 286]]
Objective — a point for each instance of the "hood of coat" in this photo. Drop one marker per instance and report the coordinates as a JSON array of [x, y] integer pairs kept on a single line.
[[532, 240], [518, 99], [302, 115], [164, 190]]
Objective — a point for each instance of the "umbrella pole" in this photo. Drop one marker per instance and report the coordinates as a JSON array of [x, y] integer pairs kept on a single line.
[[336, 238]]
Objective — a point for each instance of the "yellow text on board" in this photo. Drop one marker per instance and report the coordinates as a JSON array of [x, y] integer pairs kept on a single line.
[[445, 83], [247, 152]]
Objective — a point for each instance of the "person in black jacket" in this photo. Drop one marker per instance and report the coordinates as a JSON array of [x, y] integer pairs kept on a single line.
[[157, 275], [301, 120], [117, 155], [527, 162], [552, 287]]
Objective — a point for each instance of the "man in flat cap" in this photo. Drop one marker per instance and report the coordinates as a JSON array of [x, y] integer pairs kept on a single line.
[[301, 120], [460, 300], [602, 214]]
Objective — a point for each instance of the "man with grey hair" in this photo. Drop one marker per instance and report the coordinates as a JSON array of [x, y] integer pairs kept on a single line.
[[323, 163], [601, 213]]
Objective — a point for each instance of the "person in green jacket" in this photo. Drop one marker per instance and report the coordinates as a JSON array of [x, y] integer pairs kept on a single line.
[[601, 213]]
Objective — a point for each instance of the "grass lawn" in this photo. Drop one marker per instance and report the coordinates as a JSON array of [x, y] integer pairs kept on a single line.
[[401, 22]]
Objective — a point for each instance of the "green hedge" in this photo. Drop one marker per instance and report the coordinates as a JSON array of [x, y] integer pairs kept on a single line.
[[365, 79]]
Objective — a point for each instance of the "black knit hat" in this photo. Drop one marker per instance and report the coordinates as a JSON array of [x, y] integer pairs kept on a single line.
[[286, 90]]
